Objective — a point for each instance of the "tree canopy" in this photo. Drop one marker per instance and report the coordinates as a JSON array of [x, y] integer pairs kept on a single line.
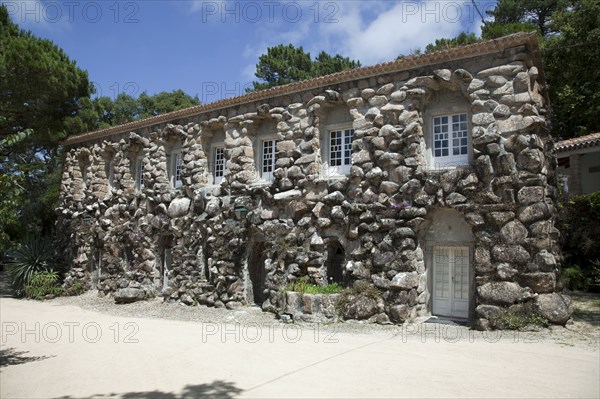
[[570, 58], [40, 86], [286, 64], [44, 98], [443, 44], [511, 16], [569, 32]]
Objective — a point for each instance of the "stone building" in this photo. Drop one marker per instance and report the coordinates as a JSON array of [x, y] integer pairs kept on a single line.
[[579, 164], [428, 179]]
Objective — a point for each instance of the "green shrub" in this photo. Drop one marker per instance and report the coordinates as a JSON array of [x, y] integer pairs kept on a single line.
[[35, 254], [579, 224], [75, 288], [302, 285], [41, 284], [575, 278], [510, 319], [595, 272]]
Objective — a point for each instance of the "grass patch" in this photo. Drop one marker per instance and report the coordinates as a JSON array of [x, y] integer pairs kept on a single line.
[[509, 319], [302, 285]]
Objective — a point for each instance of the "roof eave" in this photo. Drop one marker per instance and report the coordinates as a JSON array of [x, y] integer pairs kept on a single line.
[[407, 63]]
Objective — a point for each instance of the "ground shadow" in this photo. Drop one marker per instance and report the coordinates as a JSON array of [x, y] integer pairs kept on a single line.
[[587, 307], [588, 316], [215, 390], [12, 357]]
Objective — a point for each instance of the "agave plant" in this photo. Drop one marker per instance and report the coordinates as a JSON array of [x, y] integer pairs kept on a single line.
[[33, 255]]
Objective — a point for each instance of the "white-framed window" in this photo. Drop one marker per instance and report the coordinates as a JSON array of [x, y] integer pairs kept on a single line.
[[340, 151], [450, 141], [267, 158], [218, 164], [139, 173], [176, 168]]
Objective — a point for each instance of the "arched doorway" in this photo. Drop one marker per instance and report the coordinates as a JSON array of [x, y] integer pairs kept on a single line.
[[95, 267], [449, 258], [164, 262], [256, 273], [336, 258]]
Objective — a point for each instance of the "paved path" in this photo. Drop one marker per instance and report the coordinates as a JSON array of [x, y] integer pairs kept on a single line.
[[54, 350]]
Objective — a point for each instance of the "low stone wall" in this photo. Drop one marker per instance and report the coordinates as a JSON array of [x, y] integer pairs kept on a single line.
[[310, 307]]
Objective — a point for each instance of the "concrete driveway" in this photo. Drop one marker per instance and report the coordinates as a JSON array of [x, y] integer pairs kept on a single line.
[[54, 350]]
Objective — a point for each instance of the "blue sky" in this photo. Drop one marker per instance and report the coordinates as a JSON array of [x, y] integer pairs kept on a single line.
[[210, 48]]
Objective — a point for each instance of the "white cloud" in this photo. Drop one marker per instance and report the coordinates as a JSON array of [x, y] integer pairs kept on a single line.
[[40, 15], [294, 33], [398, 29], [248, 72], [369, 31]]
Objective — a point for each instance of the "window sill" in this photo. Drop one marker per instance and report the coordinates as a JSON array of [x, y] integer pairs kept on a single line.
[[442, 169], [332, 177], [261, 183]]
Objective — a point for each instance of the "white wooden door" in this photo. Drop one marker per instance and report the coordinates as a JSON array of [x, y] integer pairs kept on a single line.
[[451, 282]]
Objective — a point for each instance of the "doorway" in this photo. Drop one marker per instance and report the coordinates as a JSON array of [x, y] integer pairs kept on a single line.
[[451, 282], [257, 273], [167, 261], [95, 268], [336, 258], [449, 256]]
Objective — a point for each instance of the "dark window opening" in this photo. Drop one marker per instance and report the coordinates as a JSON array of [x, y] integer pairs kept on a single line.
[[336, 258], [257, 273], [129, 258], [206, 266], [564, 162], [95, 267]]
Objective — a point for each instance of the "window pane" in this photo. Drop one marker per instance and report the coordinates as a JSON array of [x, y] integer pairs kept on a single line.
[[348, 146], [268, 156], [335, 150], [140, 173], [178, 169], [450, 138], [219, 162]]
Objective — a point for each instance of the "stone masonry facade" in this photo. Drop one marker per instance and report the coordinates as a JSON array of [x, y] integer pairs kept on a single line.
[[427, 181]]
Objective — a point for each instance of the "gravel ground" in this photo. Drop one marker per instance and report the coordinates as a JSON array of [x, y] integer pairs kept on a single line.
[[582, 331], [165, 358]]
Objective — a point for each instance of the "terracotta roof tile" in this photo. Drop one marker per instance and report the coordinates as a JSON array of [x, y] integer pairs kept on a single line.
[[590, 140], [406, 63]]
